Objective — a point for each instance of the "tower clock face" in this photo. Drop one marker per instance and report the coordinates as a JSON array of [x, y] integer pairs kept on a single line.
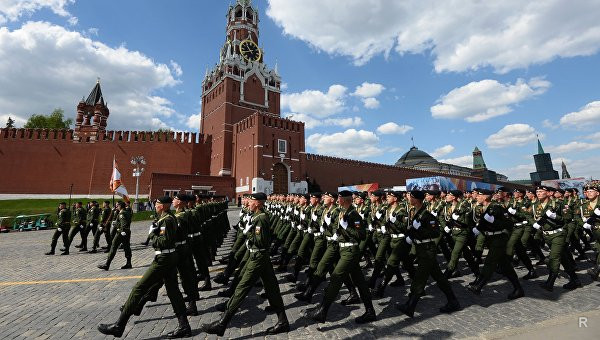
[[250, 50]]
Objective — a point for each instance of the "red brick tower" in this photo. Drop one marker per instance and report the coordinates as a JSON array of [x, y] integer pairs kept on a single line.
[[92, 115]]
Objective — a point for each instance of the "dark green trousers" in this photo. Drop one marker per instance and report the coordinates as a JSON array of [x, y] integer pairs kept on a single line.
[[428, 266], [290, 238], [116, 243], [296, 242], [163, 270], [305, 246], [317, 252], [383, 248], [64, 232], [74, 230], [100, 231], [559, 254], [185, 267], [347, 265], [496, 257], [258, 266], [327, 260]]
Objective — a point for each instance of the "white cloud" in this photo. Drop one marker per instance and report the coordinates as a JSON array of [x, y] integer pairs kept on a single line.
[[58, 67], [316, 103], [393, 128], [589, 114], [520, 171], [595, 136], [13, 10], [485, 99], [368, 90], [284, 86], [176, 68], [549, 125], [370, 103], [466, 161], [344, 122], [442, 151], [460, 35], [311, 122], [351, 143], [512, 135], [19, 122], [193, 121], [572, 147]]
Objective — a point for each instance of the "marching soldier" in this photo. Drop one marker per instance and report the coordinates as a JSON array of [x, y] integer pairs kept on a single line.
[[103, 227], [63, 223], [258, 266], [590, 214], [123, 236], [163, 269], [517, 215], [78, 225], [91, 224]]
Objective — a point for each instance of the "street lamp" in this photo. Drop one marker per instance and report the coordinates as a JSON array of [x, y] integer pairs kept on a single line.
[[137, 162]]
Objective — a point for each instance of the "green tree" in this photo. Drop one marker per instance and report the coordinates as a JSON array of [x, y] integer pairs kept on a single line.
[[10, 123], [56, 120]]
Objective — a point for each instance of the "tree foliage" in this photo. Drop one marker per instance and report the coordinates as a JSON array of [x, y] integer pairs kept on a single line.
[[55, 120], [10, 123]]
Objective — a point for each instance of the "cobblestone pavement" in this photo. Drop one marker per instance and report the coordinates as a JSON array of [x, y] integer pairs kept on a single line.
[[63, 297]]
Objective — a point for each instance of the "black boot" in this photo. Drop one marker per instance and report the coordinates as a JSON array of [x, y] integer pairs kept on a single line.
[[301, 287], [475, 282], [594, 272], [369, 314], [51, 252], [127, 265], [380, 291], [221, 307], [282, 325], [517, 289], [531, 274], [206, 287], [310, 290], [549, 284], [191, 308], [218, 327], [448, 273], [375, 275], [573, 283], [452, 306], [93, 251], [117, 328], [352, 298], [408, 308], [399, 279], [104, 266], [183, 330], [476, 288], [319, 314]]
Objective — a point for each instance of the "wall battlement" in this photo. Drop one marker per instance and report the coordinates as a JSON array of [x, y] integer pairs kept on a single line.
[[269, 120]]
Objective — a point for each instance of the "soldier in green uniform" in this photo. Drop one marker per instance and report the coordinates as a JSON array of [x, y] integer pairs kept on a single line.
[[367, 246], [103, 227], [91, 224], [590, 216], [311, 213], [528, 239], [492, 221], [384, 240], [570, 211], [123, 236], [163, 269], [63, 223], [422, 231], [78, 225], [548, 219], [435, 205], [348, 232], [458, 220], [517, 215], [258, 266]]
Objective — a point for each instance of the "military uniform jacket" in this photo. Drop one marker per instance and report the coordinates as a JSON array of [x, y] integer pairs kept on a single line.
[[166, 226], [328, 220], [104, 217], [423, 226], [80, 215], [123, 221], [589, 213], [395, 220], [350, 227], [541, 214], [63, 218], [518, 213], [93, 214], [500, 223], [315, 218], [458, 216], [183, 226], [259, 232], [304, 217], [376, 217]]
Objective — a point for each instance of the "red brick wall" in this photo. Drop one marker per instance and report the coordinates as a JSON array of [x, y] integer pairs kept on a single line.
[[224, 186], [48, 162]]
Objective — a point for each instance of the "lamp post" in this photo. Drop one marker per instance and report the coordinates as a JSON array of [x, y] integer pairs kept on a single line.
[[137, 162]]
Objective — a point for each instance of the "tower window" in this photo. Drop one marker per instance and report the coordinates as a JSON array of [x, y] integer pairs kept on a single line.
[[282, 146], [238, 13]]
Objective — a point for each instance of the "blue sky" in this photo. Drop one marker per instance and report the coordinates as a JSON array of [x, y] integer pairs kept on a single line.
[[366, 77]]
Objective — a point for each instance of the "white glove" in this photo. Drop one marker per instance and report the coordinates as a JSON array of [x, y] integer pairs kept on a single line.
[[378, 215], [334, 237], [551, 214], [489, 218], [362, 215], [447, 230], [302, 216], [597, 212], [59, 229], [310, 231], [327, 219], [476, 231], [416, 224], [296, 212], [314, 217], [321, 229], [81, 226], [393, 218], [408, 240], [123, 233], [525, 222], [91, 224], [536, 225], [113, 223], [247, 229], [512, 210], [241, 212], [383, 229], [343, 223], [587, 226], [455, 217], [293, 225], [299, 226], [151, 229], [434, 213], [370, 227]]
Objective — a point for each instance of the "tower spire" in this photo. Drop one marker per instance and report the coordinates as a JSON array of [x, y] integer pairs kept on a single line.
[[540, 149]]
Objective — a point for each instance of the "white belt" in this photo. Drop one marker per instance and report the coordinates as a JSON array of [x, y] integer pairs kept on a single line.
[[553, 231], [299, 227], [194, 234], [164, 251], [179, 243], [491, 233], [520, 224], [255, 250], [329, 238], [424, 241], [344, 245], [456, 229], [398, 235], [317, 234]]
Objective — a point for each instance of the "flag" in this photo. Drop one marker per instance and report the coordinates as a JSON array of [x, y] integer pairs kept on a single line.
[[115, 182]]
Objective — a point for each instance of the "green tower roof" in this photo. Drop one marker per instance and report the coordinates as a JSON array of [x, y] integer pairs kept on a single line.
[[540, 149]]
